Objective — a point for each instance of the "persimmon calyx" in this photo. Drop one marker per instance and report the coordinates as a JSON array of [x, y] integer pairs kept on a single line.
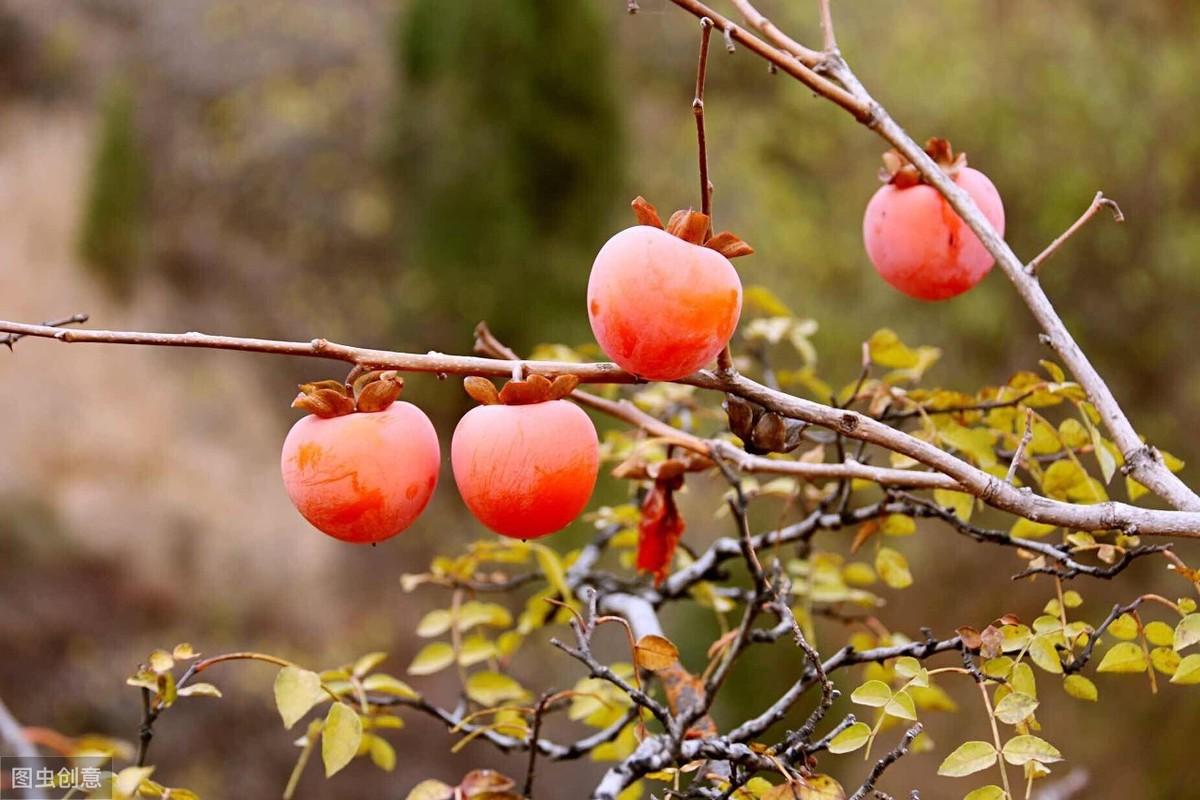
[[902, 173], [691, 226], [373, 391], [534, 389]]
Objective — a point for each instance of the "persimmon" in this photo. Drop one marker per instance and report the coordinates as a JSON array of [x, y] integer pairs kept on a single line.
[[917, 242], [526, 461], [362, 466], [664, 302]]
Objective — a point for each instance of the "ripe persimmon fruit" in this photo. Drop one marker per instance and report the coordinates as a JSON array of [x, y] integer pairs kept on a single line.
[[664, 302], [526, 461], [361, 467], [917, 242]]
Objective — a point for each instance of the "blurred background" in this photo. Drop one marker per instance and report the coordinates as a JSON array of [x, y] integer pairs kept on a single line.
[[390, 172]]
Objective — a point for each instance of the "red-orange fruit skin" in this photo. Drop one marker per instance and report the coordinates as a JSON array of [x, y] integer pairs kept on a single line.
[[920, 245], [362, 477], [661, 307], [526, 471]]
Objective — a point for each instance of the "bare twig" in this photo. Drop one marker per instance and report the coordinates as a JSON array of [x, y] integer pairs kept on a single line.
[[828, 38], [897, 752], [1026, 438], [9, 339], [1098, 202], [538, 712]]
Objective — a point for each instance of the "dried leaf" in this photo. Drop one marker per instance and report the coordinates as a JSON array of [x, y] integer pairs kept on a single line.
[[655, 653], [646, 213]]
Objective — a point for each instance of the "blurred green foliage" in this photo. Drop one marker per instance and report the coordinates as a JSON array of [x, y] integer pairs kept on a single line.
[[114, 221], [507, 156]]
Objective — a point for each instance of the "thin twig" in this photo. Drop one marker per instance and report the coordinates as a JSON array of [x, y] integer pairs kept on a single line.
[[1098, 202], [1026, 438], [9, 339], [897, 752], [538, 712], [828, 38]]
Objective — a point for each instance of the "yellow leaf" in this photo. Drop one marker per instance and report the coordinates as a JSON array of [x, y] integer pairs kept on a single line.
[[655, 653], [893, 568], [432, 658], [340, 737], [967, 759], [1080, 688], [1188, 671], [296, 691], [1123, 657], [492, 689]]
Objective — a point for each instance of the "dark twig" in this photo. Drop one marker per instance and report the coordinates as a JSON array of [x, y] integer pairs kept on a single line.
[[898, 752], [538, 712]]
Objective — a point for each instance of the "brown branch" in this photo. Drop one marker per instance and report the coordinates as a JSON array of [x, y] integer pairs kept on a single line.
[[1143, 461], [1098, 202]]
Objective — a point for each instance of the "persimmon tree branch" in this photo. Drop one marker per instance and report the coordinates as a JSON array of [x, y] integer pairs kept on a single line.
[[838, 83], [956, 473]]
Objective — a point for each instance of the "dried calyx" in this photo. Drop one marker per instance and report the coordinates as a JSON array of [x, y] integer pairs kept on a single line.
[[691, 226], [534, 389], [371, 391], [901, 173], [762, 431]]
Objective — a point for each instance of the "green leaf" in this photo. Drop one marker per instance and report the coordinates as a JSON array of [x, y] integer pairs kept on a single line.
[[1188, 671], [492, 689], [1123, 657], [1020, 750], [386, 684], [850, 739], [1187, 632], [907, 667], [296, 692], [340, 737], [873, 693], [960, 502], [161, 661], [893, 568], [433, 658], [1043, 653], [967, 759], [1080, 688], [1015, 707], [989, 792]]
